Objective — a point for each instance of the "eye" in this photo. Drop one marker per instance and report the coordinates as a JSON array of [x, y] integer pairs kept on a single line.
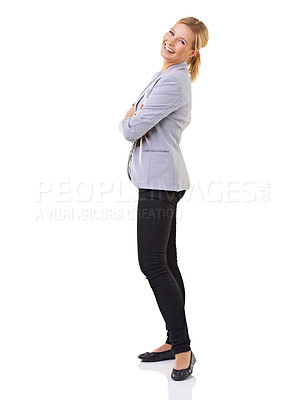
[[182, 41]]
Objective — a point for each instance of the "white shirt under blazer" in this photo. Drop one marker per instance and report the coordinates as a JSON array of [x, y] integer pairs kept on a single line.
[[157, 161]]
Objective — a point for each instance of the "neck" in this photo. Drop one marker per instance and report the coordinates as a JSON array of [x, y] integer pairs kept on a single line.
[[166, 65]]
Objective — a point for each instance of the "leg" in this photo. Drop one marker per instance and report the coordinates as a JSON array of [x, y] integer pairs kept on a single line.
[[172, 264], [155, 215]]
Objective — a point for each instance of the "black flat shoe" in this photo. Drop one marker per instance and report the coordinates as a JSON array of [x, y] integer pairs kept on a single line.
[[157, 356], [180, 374]]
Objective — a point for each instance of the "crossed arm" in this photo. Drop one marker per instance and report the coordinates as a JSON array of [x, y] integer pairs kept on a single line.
[[166, 97]]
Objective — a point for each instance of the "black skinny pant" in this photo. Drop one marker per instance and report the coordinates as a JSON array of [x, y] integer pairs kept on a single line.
[[157, 255]]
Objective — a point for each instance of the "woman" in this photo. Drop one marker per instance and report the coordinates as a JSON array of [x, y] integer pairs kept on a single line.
[[156, 167]]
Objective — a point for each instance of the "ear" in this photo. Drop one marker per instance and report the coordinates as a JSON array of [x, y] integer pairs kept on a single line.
[[193, 53]]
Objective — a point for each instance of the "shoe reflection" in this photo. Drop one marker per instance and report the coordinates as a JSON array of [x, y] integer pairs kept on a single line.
[[178, 390]]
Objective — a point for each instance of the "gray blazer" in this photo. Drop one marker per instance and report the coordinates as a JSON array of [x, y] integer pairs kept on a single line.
[[157, 161]]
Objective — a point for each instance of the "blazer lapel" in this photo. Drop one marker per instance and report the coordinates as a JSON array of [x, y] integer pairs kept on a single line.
[[181, 65], [145, 89]]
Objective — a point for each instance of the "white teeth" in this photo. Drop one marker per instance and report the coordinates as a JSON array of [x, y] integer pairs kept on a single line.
[[167, 48]]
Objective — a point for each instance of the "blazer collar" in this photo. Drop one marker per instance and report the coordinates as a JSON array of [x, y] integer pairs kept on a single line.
[[181, 65]]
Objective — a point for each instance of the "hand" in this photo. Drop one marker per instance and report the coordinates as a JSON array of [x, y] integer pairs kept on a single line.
[[131, 111]]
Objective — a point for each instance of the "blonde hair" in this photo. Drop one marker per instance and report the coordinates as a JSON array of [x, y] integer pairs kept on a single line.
[[201, 40]]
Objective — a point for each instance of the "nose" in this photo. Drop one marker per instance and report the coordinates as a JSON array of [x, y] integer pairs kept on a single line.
[[170, 45]]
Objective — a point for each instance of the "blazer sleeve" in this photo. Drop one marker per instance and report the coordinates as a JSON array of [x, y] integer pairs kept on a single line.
[[166, 97]]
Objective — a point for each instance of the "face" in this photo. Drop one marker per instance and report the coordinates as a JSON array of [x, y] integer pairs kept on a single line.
[[179, 39]]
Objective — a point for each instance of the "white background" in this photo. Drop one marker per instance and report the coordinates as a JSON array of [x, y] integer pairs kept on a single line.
[[75, 308]]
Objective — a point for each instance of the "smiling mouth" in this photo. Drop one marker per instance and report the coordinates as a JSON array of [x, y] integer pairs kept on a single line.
[[168, 50]]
